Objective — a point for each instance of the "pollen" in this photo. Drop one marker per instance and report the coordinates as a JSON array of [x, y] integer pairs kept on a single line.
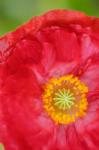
[[65, 99]]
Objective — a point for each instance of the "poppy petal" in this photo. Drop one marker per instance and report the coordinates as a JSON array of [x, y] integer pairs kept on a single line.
[[88, 128]]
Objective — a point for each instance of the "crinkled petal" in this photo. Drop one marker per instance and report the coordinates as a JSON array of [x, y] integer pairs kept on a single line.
[[60, 48], [91, 74], [88, 127]]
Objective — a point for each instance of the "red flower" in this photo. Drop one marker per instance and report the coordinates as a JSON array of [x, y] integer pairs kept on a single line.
[[49, 84]]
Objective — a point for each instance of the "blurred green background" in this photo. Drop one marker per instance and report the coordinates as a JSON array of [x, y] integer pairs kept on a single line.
[[15, 12]]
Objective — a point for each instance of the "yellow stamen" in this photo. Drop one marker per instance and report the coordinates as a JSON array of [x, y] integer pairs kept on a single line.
[[65, 99]]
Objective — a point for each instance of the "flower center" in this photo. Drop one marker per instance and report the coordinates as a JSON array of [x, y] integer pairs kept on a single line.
[[65, 99]]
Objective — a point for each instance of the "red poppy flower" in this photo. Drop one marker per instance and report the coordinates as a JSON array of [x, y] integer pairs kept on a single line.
[[49, 83]]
